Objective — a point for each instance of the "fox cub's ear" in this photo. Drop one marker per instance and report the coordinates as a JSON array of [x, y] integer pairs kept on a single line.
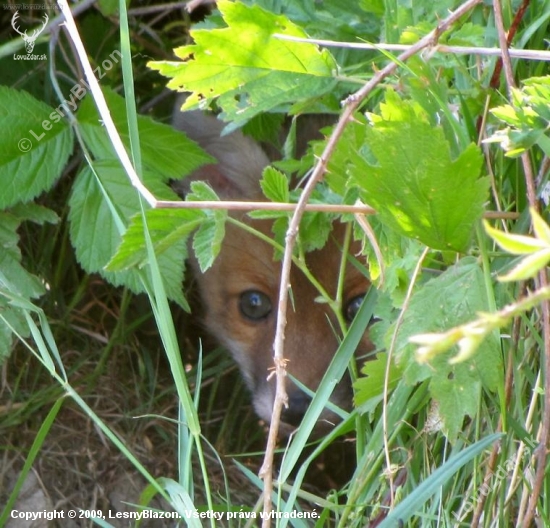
[[240, 159]]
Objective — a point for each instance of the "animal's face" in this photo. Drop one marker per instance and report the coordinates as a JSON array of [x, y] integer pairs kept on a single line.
[[240, 291], [240, 294]]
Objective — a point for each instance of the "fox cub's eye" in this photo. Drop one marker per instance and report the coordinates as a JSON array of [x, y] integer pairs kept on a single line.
[[255, 305], [352, 307]]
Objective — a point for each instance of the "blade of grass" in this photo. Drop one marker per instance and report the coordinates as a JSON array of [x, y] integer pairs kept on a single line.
[[411, 504], [333, 374], [31, 457], [165, 323]]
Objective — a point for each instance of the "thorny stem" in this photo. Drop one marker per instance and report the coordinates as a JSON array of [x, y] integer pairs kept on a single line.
[[503, 41], [350, 105], [494, 83], [495, 79], [542, 450]]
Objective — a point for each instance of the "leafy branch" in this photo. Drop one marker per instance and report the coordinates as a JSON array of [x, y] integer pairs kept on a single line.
[[469, 336]]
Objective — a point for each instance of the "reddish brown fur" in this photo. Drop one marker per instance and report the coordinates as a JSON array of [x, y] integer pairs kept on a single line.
[[246, 263]]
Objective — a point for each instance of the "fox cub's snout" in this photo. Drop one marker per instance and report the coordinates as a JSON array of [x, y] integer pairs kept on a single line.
[[240, 291]]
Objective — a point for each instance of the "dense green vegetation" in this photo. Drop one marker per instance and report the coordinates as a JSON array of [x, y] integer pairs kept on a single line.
[[448, 143]]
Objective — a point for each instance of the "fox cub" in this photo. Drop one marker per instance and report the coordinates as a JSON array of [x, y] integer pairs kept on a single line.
[[240, 291]]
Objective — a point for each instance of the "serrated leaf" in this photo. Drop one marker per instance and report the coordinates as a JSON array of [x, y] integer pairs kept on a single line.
[[209, 236], [166, 153], [458, 395], [35, 144], [95, 232], [11, 318], [507, 114], [415, 186], [35, 213], [349, 153], [315, 229], [93, 229], [14, 280], [166, 227], [274, 185], [208, 239], [467, 34], [260, 73], [15, 277], [527, 118], [9, 239], [370, 386], [201, 192], [515, 244], [447, 301]]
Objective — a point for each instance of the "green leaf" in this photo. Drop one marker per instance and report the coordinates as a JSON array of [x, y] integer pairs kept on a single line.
[[166, 227], [14, 276], [11, 318], [540, 227], [315, 229], [201, 192], [166, 153], [97, 223], [108, 7], [259, 74], [95, 228], [528, 267], [348, 155], [507, 114], [414, 184], [19, 280], [449, 300], [467, 34], [35, 144], [527, 118], [209, 236], [279, 230], [35, 213], [15, 280], [515, 244], [544, 143], [208, 239], [369, 388], [275, 185], [373, 6]]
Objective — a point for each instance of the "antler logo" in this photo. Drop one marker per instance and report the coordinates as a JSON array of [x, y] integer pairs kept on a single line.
[[28, 39]]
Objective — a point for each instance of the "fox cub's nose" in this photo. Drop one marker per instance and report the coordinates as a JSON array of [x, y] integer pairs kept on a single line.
[[298, 402]]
